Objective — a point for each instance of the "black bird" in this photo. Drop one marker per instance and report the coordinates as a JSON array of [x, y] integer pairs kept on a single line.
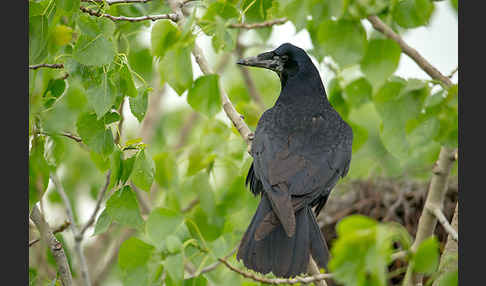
[[300, 149]]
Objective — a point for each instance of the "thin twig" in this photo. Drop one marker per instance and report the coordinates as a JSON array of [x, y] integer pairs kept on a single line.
[[190, 206], [60, 228], [101, 195], [142, 199], [172, 17], [78, 238], [443, 220], [453, 72], [228, 107], [213, 266], [54, 246], [411, 52], [265, 24], [276, 281], [52, 66]]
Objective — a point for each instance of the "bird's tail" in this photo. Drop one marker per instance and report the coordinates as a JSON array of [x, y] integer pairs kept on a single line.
[[276, 252]]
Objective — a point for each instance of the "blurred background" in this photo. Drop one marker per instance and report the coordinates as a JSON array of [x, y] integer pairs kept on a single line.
[[199, 162]]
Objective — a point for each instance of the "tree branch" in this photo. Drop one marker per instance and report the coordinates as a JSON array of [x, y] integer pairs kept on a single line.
[[54, 246], [78, 238], [450, 250], [453, 72], [435, 197], [60, 228], [276, 281], [228, 107], [259, 25], [101, 195], [411, 52], [172, 17], [52, 66], [443, 220]]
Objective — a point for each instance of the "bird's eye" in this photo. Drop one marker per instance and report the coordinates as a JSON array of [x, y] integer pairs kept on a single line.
[[285, 57]]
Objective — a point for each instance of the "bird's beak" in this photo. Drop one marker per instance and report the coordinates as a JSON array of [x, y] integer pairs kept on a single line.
[[268, 60]]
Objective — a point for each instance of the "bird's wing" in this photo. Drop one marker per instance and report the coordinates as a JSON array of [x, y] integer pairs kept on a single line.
[[290, 164]]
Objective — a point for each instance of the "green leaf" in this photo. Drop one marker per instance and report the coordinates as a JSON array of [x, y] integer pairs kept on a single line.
[[224, 38], [363, 8], [176, 69], [139, 104], [94, 134], [164, 36], [38, 38], [143, 171], [161, 223], [122, 206], [204, 95], [397, 102], [358, 92], [116, 167], [196, 281], [199, 160], [173, 243], [449, 278], [102, 97], [380, 61], [206, 193], [354, 223], [55, 88], [362, 251], [174, 264], [38, 171], [165, 169], [94, 51], [110, 117], [127, 168], [127, 86], [62, 35], [343, 40], [217, 9], [102, 223], [94, 26], [133, 258], [68, 5], [360, 135], [413, 13], [101, 162], [426, 259], [335, 96]]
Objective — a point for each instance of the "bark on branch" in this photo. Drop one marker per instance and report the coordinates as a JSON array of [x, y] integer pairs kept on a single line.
[[265, 24], [435, 197], [54, 246], [276, 281], [60, 228], [443, 220], [450, 250], [411, 52], [172, 17], [52, 66], [78, 238]]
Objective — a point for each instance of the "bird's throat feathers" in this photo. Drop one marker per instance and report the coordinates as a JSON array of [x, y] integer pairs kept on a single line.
[[302, 83]]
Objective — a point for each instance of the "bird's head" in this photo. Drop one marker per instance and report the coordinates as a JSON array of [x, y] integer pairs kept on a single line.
[[287, 60]]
